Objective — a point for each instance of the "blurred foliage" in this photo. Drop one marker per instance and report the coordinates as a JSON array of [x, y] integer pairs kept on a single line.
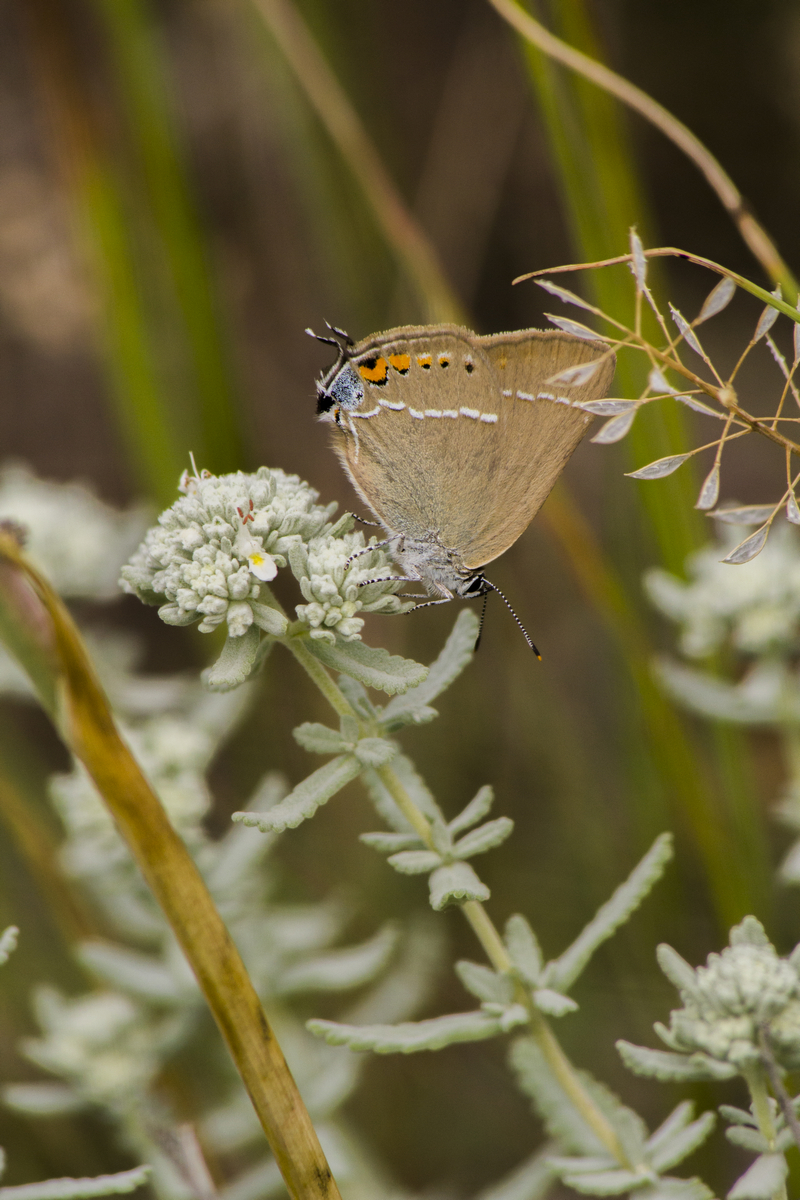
[[173, 214]]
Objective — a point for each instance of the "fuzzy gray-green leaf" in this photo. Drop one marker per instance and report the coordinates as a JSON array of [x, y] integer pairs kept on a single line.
[[415, 862], [235, 662], [390, 843], [484, 838], [762, 1179], [749, 1139], [409, 1036], [674, 1149], [42, 1099], [79, 1189], [131, 971], [454, 883], [454, 657], [562, 973], [749, 932], [524, 949], [415, 786], [663, 1065], [554, 1004], [475, 811], [530, 1181], [749, 548], [374, 751], [371, 665], [304, 800], [485, 983], [269, 619], [562, 1119], [677, 969], [603, 1183], [318, 739], [340, 969]]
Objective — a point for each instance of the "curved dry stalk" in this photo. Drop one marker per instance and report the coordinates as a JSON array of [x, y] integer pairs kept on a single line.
[[334, 109], [753, 233], [79, 707]]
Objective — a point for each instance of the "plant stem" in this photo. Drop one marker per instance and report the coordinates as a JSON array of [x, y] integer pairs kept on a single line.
[[486, 932], [313, 667], [753, 234], [757, 1085]]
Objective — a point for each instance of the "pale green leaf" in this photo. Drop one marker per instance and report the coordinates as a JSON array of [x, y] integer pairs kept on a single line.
[[670, 1188], [562, 973], [390, 843], [8, 943], [749, 1139], [761, 1180], [340, 969], [485, 983], [318, 739], [661, 1064], [677, 970], [374, 751], [603, 1183], [678, 1119], [484, 838], [415, 862], [371, 665], [562, 1119], [415, 786], [78, 1189], [523, 947], [42, 1099], [553, 1003], [304, 800], [530, 1181], [749, 932], [235, 662], [679, 1145], [409, 1036], [269, 619], [455, 883], [475, 811], [131, 971], [454, 657]]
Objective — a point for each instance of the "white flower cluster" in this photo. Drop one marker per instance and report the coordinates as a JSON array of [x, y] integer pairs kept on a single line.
[[212, 549], [227, 535], [744, 990], [337, 588], [755, 605]]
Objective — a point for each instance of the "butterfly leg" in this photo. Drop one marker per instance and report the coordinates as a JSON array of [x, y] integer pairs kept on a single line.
[[366, 549]]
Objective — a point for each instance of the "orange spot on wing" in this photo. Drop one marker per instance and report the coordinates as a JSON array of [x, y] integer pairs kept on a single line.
[[374, 370], [400, 362], [425, 360]]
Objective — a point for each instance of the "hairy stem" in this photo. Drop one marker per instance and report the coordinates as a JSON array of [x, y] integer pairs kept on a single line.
[[757, 1085], [489, 937]]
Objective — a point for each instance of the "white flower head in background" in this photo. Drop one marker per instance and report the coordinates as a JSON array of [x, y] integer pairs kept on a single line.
[[79, 542], [756, 605]]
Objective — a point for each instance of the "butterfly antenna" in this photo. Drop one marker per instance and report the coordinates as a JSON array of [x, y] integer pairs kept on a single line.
[[523, 630], [480, 624]]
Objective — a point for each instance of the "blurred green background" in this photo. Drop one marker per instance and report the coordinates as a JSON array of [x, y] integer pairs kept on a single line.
[[173, 214]]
